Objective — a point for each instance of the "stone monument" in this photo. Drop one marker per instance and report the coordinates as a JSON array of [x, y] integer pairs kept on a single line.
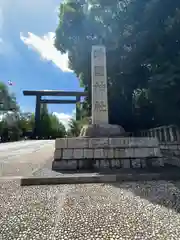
[[100, 126], [102, 145]]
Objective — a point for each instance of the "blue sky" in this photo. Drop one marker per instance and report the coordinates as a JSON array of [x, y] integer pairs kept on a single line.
[[27, 55]]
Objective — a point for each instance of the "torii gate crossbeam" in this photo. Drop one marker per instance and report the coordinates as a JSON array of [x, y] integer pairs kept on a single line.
[[39, 100]]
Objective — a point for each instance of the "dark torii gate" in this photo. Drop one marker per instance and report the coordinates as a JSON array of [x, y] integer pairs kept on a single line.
[[39, 101]]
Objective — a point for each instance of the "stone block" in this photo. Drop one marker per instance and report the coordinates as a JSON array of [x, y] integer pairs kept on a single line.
[[108, 153], [133, 142], [162, 146], [161, 161], [129, 153], [174, 147], [64, 165], [77, 142], [97, 164], [136, 163], [176, 152], [157, 152], [61, 143], [99, 153], [98, 142], [113, 163], [104, 164], [80, 164], [58, 154], [178, 146], [156, 162], [118, 142], [126, 163], [177, 162], [119, 153], [78, 154], [71, 164], [143, 152], [165, 147], [89, 153], [143, 142], [102, 130], [67, 154], [118, 163], [143, 162]]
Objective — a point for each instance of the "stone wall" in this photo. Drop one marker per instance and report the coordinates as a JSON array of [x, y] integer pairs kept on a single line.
[[169, 139], [79, 153]]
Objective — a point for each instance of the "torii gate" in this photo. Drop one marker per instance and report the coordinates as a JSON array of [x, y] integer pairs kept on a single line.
[[39, 101]]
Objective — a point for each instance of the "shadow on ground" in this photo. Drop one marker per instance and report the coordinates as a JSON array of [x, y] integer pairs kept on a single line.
[[161, 192], [164, 193]]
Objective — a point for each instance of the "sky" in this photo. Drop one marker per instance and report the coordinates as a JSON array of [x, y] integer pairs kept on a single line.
[[27, 55]]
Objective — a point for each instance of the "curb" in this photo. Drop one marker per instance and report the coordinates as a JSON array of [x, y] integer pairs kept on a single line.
[[103, 178], [67, 180]]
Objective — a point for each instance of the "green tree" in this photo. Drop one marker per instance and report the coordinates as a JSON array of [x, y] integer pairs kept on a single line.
[[74, 128], [9, 111], [57, 128], [7, 99], [26, 123], [142, 42], [50, 125]]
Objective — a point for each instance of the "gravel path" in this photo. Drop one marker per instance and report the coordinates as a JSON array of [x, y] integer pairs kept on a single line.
[[146, 210]]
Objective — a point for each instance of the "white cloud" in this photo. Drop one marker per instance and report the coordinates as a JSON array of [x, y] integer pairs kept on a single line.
[[45, 47], [64, 118]]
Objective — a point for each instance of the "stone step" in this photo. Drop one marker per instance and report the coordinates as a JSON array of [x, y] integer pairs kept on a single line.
[[101, 178]]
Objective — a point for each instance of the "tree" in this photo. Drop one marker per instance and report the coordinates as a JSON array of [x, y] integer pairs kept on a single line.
[[142, 42], [7, 99], [58, 129], [9, 111], [74, 128], [15, 124], [50, 125], [26, 123]]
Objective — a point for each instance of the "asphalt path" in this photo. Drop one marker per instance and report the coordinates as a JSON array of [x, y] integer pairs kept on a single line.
[[14, 149], [21, 158]]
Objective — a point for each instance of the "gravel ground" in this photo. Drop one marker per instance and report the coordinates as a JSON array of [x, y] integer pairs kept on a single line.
[[143, 210]]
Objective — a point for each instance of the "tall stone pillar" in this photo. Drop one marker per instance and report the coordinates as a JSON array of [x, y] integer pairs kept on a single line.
[[99, 85], [100, 126]]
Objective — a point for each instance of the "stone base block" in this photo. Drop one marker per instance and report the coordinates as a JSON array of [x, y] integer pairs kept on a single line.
[[100, 153], [105, 142], [102, 130]]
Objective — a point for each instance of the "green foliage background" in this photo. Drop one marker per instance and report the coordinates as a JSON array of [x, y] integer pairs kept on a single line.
[[142, 39]]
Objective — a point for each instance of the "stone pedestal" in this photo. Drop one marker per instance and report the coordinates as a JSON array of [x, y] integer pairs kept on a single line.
[[100, 145], [102, 130], [103, 153]]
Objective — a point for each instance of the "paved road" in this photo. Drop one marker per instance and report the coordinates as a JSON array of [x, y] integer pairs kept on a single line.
[[21, 158]]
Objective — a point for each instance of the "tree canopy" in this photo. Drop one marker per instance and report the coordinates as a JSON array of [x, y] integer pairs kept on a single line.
[[142, 41], [15, 124]]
